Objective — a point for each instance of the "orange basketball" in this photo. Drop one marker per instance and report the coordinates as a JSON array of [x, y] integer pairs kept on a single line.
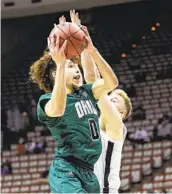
[[75, 36]]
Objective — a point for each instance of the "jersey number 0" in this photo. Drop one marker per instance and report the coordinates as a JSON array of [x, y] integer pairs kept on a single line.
[[93, 129]]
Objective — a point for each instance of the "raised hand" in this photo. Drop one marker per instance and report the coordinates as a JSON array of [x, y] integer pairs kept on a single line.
[[74, 16], [62, 21], [57, 53], [90, 46]]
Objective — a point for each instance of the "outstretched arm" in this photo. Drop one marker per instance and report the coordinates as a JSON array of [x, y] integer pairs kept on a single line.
[[91, 73], [55, 107], [90, 57], [110, 120], [109, 81]]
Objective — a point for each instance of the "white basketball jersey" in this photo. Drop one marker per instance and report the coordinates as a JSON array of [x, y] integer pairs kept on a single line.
[[107, 168]]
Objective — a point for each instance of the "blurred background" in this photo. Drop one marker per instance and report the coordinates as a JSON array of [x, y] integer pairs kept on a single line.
[[135, 37]]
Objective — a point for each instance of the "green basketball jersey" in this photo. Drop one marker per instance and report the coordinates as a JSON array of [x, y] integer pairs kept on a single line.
[[77, 132]]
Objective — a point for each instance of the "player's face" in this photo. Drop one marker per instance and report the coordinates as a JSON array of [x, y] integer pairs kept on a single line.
[[119, 103], [73, 75]]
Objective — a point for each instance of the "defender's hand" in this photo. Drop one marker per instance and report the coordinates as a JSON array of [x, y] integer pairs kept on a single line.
[[74, 16]]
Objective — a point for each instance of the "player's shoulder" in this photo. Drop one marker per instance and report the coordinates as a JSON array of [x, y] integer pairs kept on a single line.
[[86, 86], [45, 96]]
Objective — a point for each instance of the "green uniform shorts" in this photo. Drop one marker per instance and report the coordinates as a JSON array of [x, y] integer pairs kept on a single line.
[[66, 177]]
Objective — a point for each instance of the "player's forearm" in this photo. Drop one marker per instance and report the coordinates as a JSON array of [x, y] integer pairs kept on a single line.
[[57, 104], [89, 68], [105, 70], [113, 121], [109, 110]]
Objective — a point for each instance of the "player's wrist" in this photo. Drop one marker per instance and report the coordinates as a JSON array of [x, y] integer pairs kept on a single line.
[[91, 50], [60, 62]]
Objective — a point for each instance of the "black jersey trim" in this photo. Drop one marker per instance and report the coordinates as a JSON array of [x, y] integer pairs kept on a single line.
[[77, 161], [107, 166]]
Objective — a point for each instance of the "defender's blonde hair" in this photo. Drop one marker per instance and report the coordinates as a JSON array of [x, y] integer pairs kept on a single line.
[[126, 100]]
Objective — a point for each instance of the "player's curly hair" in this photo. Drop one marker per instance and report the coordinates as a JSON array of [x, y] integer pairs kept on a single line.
[[40, 72]]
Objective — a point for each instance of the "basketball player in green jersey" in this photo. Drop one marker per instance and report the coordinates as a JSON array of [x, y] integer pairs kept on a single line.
[[69, 110]]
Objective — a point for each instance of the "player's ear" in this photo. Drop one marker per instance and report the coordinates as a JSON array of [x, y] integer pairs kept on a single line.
[[123, 113], [54, 74]]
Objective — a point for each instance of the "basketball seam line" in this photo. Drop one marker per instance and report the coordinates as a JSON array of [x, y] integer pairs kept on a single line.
[[77, 32], [63, 40], [62, 31], [69, 37], [77, 38], [60, 37], [73, 33], [80, 28], [72, 42]]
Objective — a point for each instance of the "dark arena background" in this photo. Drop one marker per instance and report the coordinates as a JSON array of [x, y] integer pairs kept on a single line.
[[136, 40]]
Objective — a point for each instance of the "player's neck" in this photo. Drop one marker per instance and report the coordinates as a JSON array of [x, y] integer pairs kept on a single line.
[[69, 90]]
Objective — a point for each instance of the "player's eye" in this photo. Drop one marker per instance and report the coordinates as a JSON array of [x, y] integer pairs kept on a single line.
[[70, 65], [114, 100]]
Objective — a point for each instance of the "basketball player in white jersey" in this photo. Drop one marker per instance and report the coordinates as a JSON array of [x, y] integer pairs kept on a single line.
[[113, 133], [107, 167]]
